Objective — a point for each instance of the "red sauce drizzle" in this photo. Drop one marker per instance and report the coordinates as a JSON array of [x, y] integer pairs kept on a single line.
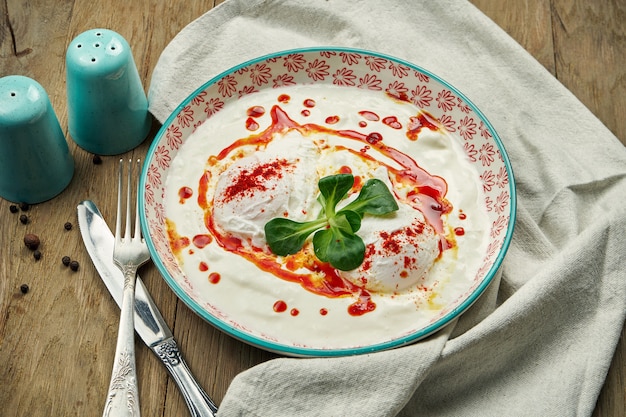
[[331, 120], [256, 111], [462, 216], [362, 124], [428, 196], [214, 277], [309, 102], [400, 96], [284, 98], [200, 241], [305, 113], [392, 122], [373, 138], [323, 311], [252, 124], [177, 242], [203, 267], [184, 193], [363, 305], [294, 312], [280, 306], [422, 121], [369, 115], [459, 231]]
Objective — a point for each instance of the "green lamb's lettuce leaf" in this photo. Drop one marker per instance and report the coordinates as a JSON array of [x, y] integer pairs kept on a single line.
[[337, 242], [374, 198]]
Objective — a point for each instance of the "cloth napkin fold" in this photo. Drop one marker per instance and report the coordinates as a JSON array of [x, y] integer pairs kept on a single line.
[[539, 342]]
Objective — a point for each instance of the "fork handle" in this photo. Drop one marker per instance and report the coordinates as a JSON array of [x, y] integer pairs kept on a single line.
[[123, 395], [198, 402]]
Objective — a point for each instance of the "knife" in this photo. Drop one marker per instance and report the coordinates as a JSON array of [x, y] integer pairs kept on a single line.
[[149, 324]]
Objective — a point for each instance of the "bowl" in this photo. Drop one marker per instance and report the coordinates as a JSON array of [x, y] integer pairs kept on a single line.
[[338, 92]]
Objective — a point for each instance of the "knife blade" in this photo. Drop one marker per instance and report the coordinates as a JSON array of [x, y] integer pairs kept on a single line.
[[149, 323]]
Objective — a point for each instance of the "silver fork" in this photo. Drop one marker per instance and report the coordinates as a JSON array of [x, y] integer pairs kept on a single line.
[[129, 253]]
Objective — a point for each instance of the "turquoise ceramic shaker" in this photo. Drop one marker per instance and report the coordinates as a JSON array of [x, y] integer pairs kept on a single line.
[[107, 105], [35, 162]]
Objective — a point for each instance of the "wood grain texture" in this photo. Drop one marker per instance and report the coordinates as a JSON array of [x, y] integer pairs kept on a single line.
[[57, 341]]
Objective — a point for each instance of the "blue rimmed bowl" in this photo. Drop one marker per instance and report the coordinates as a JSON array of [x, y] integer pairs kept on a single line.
[[350, 70]]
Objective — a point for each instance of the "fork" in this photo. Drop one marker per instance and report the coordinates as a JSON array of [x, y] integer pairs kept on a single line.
[[129, 253]]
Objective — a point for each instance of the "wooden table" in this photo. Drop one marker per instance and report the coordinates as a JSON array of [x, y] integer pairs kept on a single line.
[[56, 355]]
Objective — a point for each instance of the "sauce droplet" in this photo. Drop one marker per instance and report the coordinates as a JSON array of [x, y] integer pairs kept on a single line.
[[392, 122], [419, 122], [331, 120], [214, 277], [363, 305], [309, 102], [256, 111], [203, 266], [280, 306], [184, 193], [294, 312], [373, 138], [200, 241], [369, 115], [323, 311], [251, 124], [459, 231], [284, 98]]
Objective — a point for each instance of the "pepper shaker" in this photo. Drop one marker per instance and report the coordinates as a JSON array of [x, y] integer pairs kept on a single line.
[[107, 105], [35, 162]]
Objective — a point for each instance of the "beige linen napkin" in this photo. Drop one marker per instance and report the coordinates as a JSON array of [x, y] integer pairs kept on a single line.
[[539, 342]]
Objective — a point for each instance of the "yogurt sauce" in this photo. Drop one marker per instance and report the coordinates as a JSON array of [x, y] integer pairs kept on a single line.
[[256, 301]]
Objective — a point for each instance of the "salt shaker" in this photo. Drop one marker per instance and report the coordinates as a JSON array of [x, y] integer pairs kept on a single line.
[[35, 161], [107, 105]]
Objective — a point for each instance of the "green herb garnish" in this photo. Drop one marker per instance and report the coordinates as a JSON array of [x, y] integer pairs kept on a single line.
[[337, 242]]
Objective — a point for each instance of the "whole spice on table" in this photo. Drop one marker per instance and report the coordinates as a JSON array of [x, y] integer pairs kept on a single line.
[[67, 226], [23, 219], [37, 255], [97, 160], [24, 288], [31, 241], [24, 206], [74, 265], [66, 260], [13, 208]]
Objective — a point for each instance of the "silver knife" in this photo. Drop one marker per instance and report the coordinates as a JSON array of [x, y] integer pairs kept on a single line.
[[149, 323]]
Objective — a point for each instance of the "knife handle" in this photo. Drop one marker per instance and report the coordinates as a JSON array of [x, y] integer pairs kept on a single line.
[[198, 402]]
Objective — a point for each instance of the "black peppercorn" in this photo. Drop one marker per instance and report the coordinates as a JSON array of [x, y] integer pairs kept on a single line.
[[23, 219], [97, 160], [66, 260], [13, 208], [74, 265], [24, 206], [37, 255], [67, 226], [24, 288]]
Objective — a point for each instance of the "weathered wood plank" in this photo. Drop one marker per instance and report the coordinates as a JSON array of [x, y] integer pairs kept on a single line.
[[590, 50], [528, 22]]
